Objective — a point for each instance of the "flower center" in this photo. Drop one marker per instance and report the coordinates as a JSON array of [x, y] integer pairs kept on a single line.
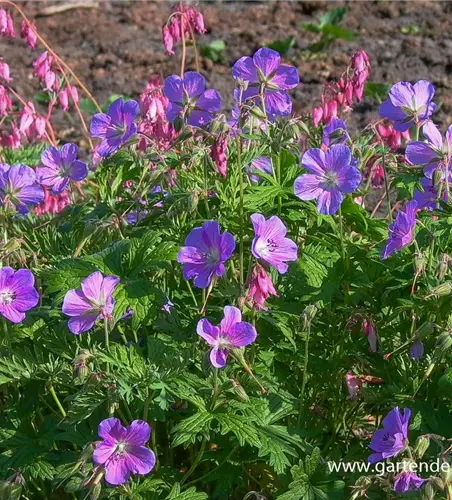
[[224, 343], [331, 179], [121, 448], [6, 298], [213, 257]]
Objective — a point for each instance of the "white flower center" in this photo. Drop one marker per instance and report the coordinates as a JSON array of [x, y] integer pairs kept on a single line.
[[6, 298], [331, 179], [121, 448], [224, 343]]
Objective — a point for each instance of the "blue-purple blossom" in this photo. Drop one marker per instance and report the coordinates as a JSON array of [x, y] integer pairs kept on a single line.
[[401, 231], [333, 173], [205, 252], [190, 100], [60, 167], [116, 127], [409, 104], [270, 242], [122, 450], [335, 132], [392, 439], [407, 481], [19, 188], [17, 293], [263, 164], [435, 153], [231, 334], [93, 301], [428, 198], [266, 76], [417, 351], [168, 306]]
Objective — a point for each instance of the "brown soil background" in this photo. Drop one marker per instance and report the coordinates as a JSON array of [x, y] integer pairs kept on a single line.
[[117, 46]]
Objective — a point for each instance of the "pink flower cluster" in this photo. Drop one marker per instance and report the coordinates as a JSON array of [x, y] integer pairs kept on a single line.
[[260, 288], [53, 203], [154, 122], [33, 125], [342, 95], [6, 24], [184, 21], [219, 152], [392, 137]]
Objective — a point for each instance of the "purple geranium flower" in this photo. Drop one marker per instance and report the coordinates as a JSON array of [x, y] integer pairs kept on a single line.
[[391, 440], [335, 132], [407, 481], [168, 306], [92, 302], [428, 198], [265, 75], [60, 167], [408, 104], [401, 231], [417, 351], [232, 333], [270, 242], [116, 127], [435, 153], [17, 293], [190, 100], [333, 173], [18, 187], [205, 253], [123, 451], [264, 164]]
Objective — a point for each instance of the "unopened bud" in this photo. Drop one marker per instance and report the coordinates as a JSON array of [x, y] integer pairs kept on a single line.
[[178, 124], [421, 446], [441, 290], [240, 391], [428, 492], [443, 266], [192, 202], [95, 491], [438, 178], [446, 475], [419, 263], [308, 315], [258, 113], [437, 482], [444, 342]]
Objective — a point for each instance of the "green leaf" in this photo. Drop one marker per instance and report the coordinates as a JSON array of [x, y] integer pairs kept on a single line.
[[334, 16], [140, 296], [282, 46], [338, 32], [190, 428], [190, 494], [239, 425]]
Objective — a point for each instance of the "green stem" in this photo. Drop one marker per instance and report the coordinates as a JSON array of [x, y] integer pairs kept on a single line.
[[305, 373], [57, 401], [202, 478], [278, 178], [341, 232], [107, 340], [242, 221], [388, 196], [190, 289], [196, 461]]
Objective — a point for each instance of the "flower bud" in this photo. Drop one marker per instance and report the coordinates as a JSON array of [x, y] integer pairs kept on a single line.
[[441, 290], [428, 492], [446, 475], [317, 115], [419, 263], [417, 351], [308, 315], [443, 266], [192, 202], [240, 391], [424, 330], [371, 333], [421, 446]]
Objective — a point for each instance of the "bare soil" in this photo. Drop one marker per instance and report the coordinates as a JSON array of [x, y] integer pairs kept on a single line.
[[116, 46]]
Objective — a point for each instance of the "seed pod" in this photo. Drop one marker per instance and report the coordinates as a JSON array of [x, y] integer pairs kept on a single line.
[[421, 446], [441, 290]]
